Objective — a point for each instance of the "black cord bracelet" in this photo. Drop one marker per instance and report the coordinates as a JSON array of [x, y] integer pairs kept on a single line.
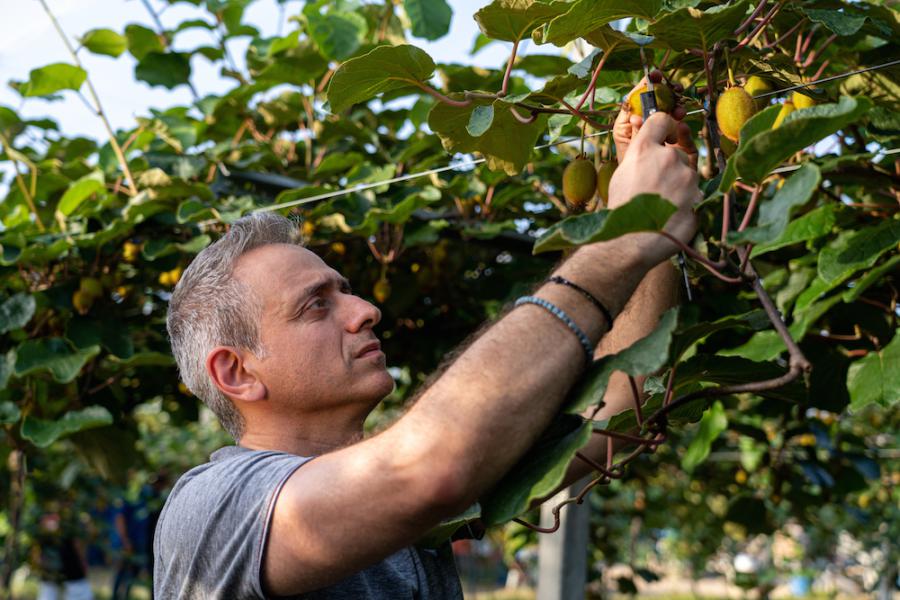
[[600, 306]]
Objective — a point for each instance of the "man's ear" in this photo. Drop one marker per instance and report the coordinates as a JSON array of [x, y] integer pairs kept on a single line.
[[232, 375]]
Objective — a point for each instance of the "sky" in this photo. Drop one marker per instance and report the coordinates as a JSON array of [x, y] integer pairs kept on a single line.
[[28, 40]]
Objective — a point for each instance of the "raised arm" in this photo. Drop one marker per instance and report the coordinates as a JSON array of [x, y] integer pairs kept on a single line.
[[348, 509]]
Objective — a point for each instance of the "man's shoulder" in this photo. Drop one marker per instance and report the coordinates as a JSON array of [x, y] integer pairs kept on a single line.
[[224, 503], [232, 469]]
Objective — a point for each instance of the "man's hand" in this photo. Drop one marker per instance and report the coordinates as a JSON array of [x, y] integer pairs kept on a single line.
[[657, 159]]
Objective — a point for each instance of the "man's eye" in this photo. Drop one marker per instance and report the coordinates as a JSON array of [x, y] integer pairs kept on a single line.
[[318, 303]]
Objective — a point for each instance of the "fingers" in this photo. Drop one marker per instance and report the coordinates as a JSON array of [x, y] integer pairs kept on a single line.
[[685, 143], [658, 129]]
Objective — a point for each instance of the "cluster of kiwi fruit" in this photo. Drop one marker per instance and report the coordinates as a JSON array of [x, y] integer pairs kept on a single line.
[[582, 182], [736, 105]]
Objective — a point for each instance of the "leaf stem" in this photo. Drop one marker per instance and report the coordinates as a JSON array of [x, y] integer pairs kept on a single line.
[[117, 150], [756, 12], [441, 97], [751, 208], [509, 66], [29, 197], [593, 84]]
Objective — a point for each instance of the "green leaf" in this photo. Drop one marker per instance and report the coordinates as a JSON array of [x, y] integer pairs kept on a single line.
[[537, 473], [53, 78], [691, 28], [80, 191], [506, 145], [759, 155], [42, 432], [512, 20], [875, 378], [645, 212], [383, 69], [857, 250], [104, 41], [337, 34], [442, 532], [112, 334], [169, 69], [713, 423], [9, 413], [643, 357], [688, 336], [52, 355], [585, 16], [481, 120], [813, 225], [16, 311], [142, 41], [870, 278], [430, 18], [775, 213], [838, 22]]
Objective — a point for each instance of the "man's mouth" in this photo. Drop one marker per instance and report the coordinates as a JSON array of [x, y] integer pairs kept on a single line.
[[370, 349]]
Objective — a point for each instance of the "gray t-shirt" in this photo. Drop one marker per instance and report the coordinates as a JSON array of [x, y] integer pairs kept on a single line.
[[213, 527]]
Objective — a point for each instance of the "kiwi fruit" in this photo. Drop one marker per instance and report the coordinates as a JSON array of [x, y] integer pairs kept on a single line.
[[802, 101], [733, 109], [579, 183], [757, 85], [665, 98], [604, 174], [786, 109], [382, 290]]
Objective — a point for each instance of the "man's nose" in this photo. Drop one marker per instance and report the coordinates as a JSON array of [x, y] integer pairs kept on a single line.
[[362, 314]]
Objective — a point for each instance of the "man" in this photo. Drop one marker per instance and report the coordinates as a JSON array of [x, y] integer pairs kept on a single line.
[[272, 339]]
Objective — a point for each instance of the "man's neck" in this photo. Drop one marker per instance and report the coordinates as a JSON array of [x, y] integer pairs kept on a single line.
[[306, 437]]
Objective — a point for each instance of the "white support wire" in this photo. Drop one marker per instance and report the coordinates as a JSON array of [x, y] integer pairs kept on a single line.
[[476, 161]]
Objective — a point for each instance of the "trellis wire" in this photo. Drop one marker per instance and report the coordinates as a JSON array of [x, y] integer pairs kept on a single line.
[[478, 161]]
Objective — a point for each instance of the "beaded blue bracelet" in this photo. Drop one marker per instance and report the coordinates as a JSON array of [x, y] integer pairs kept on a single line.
[[562, 316]]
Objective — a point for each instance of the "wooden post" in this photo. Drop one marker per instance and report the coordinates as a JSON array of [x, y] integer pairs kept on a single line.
[[563, 555]]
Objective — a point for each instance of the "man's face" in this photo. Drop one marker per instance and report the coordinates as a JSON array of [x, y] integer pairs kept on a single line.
[[317, 336]]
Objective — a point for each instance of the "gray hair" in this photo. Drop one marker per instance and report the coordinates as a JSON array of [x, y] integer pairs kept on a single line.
[[210, 308]]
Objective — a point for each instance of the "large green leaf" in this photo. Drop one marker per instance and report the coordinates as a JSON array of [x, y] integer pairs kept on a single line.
[[507, 144], [52, 355], [43, 432], [383, 69], [775, 214], [871, 277], [645, 212], [585, 16], [166, 69], [112, 334], [142, 41], [857, 250], [337, 34], [539, 472], [53, 78], [16, 311], [9, 413], [644, 357], [837, 21], [713, 423], [79, 191], [104, 41], [756, 157], [512, 20], [690, 28], [813, 225], [875, 378], [690, 335], [430, 18]]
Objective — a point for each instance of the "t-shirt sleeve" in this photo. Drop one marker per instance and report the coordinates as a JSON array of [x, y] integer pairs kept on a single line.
[[212, 531]]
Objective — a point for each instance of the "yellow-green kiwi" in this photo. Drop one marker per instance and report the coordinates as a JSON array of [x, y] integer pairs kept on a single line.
[[665, 98], [733, 109], [604, 174], [786, 109], [802, 101], [579, 183]]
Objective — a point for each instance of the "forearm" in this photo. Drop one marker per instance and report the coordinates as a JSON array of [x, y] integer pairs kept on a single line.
[[656, 294], [523, 366]]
